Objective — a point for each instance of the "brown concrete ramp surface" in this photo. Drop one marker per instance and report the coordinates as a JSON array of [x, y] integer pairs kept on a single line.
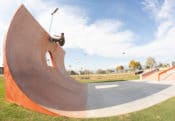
[[29, 81]]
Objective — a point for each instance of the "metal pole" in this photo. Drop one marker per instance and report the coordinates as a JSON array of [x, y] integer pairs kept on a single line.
[[52, 14], [51, 23]]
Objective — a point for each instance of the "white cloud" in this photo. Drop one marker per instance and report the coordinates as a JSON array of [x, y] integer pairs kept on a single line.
[[108, 38], [162, 46], [103, 37], [152, 5], [167, 10]]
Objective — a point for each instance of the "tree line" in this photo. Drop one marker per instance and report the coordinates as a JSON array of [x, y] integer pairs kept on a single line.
[[133, 66], [136, 65]]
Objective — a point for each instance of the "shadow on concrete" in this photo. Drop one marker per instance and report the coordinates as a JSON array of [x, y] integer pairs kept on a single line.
[[103, 95]]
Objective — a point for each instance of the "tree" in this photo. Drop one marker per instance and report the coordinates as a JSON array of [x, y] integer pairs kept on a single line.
[[100, 71], [120, 68], [163, 65], [108, 71], [150, 62], [83, 72], [72, 72], [138, 65], [133, 65], [86, 71]]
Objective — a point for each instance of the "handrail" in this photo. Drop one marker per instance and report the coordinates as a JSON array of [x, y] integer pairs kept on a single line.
[[165, 71]]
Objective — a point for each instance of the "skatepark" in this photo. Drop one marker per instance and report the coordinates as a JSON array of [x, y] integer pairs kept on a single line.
[[31, 83]]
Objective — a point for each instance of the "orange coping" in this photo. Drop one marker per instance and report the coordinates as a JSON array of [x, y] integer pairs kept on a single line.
[[165, 71]]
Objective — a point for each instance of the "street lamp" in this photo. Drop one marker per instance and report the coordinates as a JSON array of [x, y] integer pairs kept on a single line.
[[123, 53], [52, 14]]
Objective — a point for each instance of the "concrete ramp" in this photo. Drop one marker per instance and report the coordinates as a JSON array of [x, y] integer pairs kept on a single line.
[[163, 75], [32, 83], [151, 75], [168, 74], [29, 81]]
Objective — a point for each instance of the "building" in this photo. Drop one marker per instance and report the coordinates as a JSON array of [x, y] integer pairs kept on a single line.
[[1, 70], [173, 63]]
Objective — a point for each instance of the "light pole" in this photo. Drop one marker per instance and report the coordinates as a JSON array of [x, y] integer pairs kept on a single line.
[[52, 14]]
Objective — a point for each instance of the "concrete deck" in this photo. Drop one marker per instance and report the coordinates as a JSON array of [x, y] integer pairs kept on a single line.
[[116, 98]]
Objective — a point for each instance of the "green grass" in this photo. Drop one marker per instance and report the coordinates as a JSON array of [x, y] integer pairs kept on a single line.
[[161, 112], [97, 78]]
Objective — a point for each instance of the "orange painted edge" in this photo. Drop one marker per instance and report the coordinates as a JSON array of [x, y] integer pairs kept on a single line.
[[15, 95], [161, 73]]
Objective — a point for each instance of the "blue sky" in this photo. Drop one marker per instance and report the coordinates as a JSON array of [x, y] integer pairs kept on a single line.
[[128, 11], [98, 31]]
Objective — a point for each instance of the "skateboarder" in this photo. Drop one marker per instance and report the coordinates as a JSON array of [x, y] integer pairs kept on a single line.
[[59, 39]]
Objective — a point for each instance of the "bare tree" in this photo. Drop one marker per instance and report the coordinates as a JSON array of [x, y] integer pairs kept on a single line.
[[108, 71], [100, 71], [150, 62]]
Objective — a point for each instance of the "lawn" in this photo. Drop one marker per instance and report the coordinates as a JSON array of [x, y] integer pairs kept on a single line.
[[10, 112], [88, 78]]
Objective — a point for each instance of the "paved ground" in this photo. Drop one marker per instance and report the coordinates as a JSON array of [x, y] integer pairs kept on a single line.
[[116, 98]]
